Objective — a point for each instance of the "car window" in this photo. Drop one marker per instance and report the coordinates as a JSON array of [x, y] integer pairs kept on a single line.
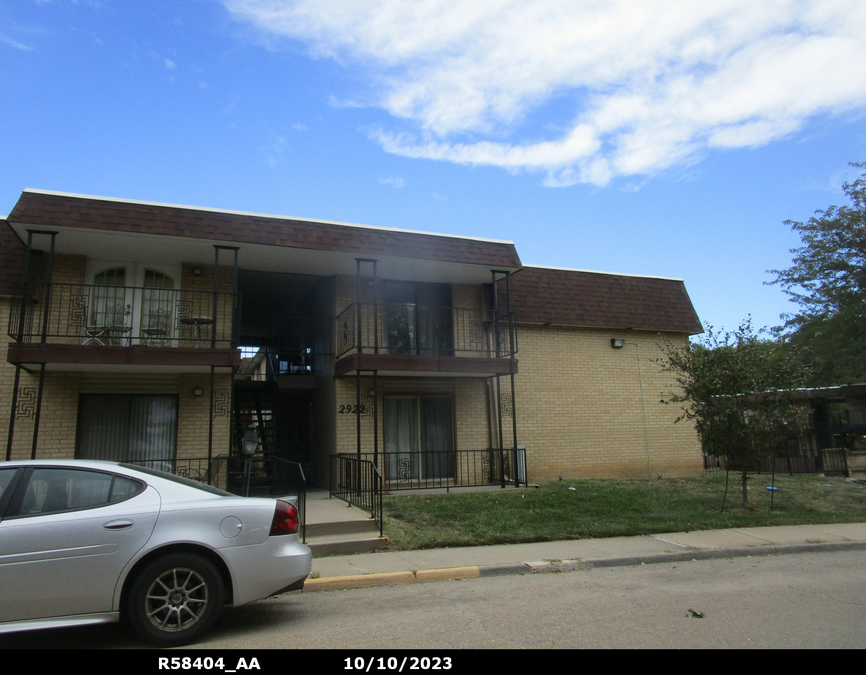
[[188, 482], [6, 476], [52, 490]]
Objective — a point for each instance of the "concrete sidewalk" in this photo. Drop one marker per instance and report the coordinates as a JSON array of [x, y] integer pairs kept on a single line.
[[402, 567]]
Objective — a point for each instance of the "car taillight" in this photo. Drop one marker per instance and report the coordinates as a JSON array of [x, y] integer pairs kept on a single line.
[[286, 520]]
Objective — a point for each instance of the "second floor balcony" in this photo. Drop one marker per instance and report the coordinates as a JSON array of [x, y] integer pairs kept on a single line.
[[410, 337], [106, 324]]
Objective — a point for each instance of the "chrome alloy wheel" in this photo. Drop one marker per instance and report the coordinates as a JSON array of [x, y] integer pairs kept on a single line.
[[176, 599]]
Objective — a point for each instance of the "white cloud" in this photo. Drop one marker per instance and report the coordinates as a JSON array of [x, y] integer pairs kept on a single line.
[[335, 102], [274, 151], [15, 44], [396, 182], [171, 65], [297, 126], [583, 90]]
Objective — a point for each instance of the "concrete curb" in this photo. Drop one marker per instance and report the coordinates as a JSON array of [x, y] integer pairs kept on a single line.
[[559, 566], [359, 581]]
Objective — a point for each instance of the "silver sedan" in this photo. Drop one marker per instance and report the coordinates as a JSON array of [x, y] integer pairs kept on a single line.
[[85, 542]]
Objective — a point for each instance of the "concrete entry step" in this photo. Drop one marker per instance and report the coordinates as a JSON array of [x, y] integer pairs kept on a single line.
[[337, 528], [322, 547], [366, 527]]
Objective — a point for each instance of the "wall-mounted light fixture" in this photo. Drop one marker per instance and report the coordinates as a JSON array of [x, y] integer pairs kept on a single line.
[[617, 343], [198, 391], [196, 271]]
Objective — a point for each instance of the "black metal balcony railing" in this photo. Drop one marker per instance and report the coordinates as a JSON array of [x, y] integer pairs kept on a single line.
[[285, 345], [123, 316], [447, 469], [426, 331]]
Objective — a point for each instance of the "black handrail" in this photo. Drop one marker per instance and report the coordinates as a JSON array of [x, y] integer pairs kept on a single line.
[[358, 482]]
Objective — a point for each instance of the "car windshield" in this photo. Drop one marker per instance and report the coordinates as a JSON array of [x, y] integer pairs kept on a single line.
[[179, 479]]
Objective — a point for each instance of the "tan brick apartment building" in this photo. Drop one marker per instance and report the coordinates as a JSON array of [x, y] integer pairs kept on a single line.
[[425, 353]]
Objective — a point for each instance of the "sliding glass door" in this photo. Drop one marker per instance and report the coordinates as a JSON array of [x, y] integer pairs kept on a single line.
[[417, 318], [419, 438], [122, 428]]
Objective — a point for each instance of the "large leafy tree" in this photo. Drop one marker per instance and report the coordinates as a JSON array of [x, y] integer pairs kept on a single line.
[[828, 280], [736, 387]]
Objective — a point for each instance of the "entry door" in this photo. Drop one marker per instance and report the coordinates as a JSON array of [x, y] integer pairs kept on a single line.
[[419, 438]]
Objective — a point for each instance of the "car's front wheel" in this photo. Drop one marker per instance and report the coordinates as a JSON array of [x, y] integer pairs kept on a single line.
[[175, 599]]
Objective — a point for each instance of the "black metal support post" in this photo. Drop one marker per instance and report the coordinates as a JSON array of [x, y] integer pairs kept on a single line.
[[376, 418], [13, 412], [216, 266], [513, 350], [44, 333], [210, 418], [38, 411], [49, 277], [358, 410], [217, 249], [498, 351], [22, 321], [489, 401], [360, 345]]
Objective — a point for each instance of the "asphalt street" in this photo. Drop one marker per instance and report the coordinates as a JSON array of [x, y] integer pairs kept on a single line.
[[802, 600]]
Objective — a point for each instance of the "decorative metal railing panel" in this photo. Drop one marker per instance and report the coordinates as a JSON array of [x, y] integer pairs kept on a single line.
[[388, 328], [123, 316]]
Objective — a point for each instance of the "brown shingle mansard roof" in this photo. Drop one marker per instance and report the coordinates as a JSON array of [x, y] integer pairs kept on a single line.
[[61, 210], [546, 295]]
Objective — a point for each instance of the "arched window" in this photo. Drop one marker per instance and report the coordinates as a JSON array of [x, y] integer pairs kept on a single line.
[[108, 309], [157, 308]]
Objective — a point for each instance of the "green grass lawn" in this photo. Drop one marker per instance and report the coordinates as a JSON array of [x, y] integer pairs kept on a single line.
[[579, 509]]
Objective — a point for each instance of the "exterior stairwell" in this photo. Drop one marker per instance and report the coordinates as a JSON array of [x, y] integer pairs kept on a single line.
[[332, 527]]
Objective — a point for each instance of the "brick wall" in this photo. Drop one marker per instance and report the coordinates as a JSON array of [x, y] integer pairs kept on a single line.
[[59, 414], [585, 409], [192, 415], [467, 296]]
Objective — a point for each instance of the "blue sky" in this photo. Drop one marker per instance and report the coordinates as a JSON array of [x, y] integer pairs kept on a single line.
[[659, 137]]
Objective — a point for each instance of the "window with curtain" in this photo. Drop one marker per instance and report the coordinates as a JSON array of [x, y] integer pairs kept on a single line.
[[419, 437], [128, 428]]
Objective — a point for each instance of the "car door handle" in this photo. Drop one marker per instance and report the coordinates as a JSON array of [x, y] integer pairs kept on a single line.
[[117, 525]]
